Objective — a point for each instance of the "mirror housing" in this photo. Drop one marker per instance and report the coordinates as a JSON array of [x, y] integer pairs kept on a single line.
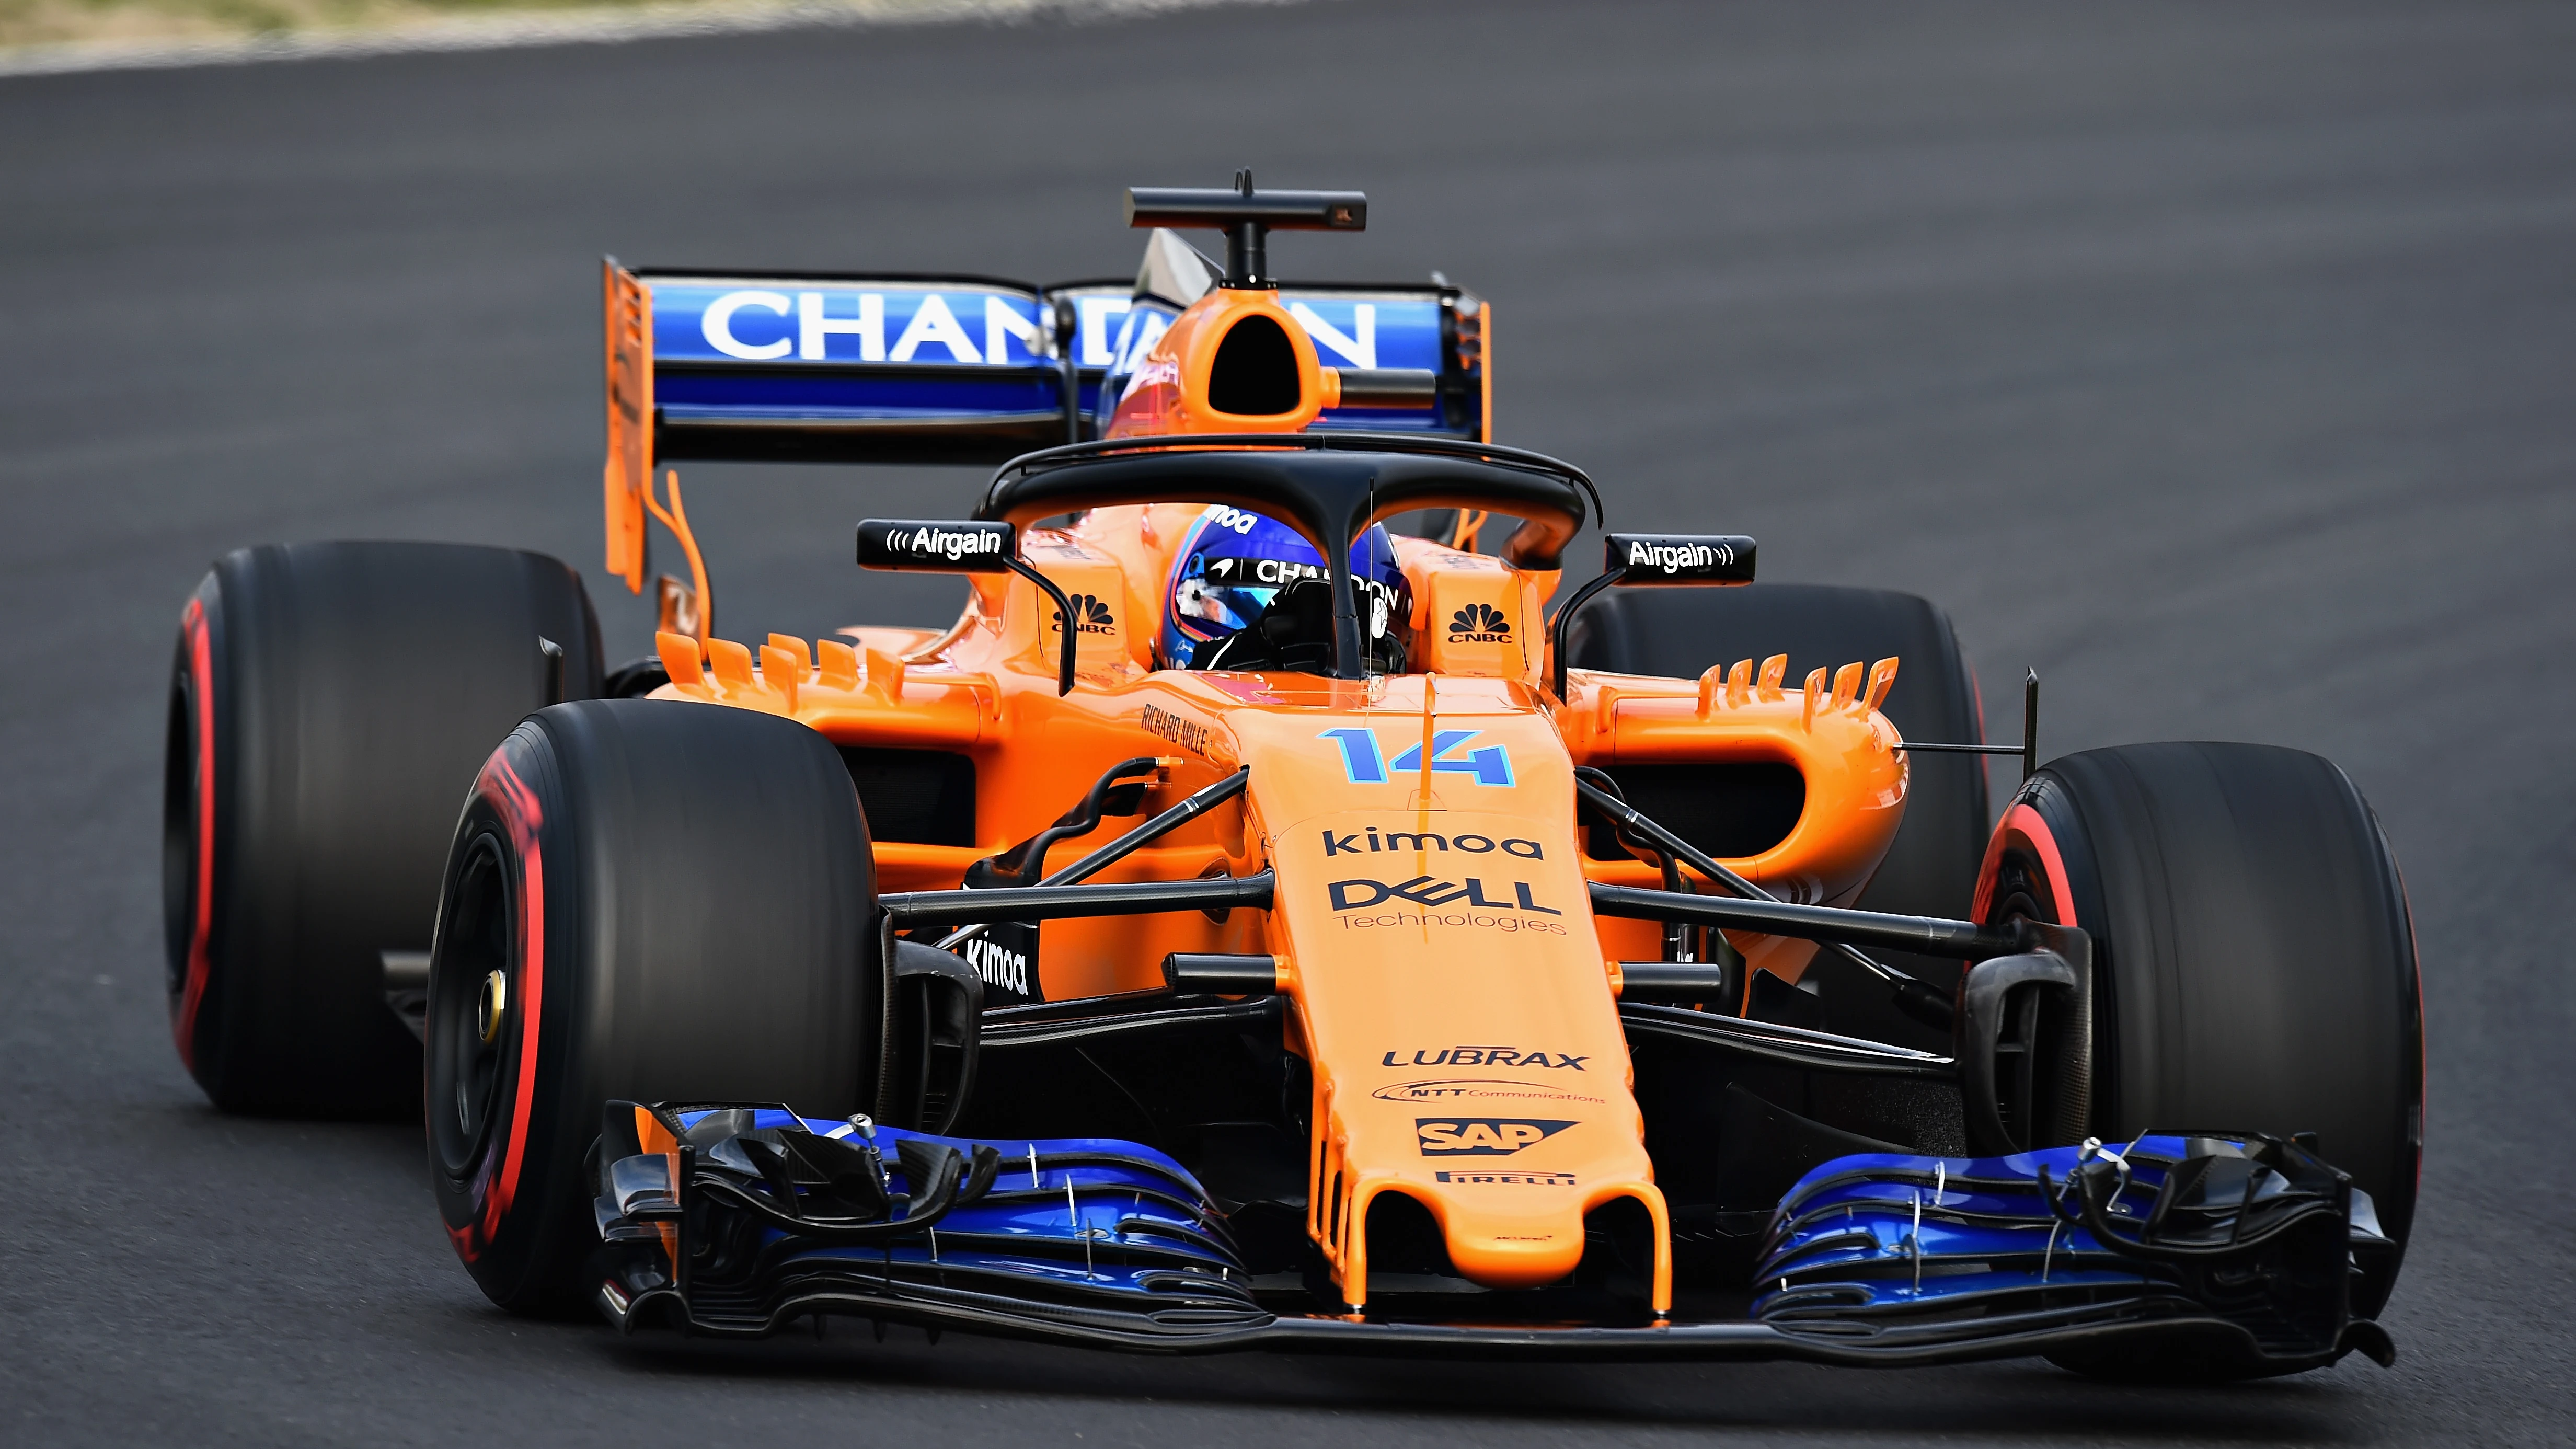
[[961, 546], [937, 546], [1647, 560], [1658, 560]]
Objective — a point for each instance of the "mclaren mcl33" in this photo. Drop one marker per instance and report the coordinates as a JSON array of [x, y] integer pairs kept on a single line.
[[1258, 921]]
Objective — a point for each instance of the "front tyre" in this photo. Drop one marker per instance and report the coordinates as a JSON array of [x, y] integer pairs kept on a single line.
[[328, 703], [648, 900], [2254, 961]]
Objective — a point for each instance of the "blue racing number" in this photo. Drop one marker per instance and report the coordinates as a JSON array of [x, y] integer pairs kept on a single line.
[[1363, 764]]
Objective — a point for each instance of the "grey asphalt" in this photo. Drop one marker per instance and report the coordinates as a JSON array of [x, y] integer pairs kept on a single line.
[[2219, 361]]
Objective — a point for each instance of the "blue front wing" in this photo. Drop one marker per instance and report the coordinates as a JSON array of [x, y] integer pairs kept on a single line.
[[2239, 1251]]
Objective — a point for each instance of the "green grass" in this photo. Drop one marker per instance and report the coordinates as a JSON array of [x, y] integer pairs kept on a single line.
[[41, 22]]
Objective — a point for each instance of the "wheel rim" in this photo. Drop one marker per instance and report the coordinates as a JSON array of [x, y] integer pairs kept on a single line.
[[471, 1005]]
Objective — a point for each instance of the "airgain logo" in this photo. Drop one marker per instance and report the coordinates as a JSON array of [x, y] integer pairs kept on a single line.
[[1481, 1136], [1479, 624], [1093, 614]]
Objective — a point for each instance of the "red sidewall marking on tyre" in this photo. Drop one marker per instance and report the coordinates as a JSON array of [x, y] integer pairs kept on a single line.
[[2023, 824], [201, 691], [509, 796]]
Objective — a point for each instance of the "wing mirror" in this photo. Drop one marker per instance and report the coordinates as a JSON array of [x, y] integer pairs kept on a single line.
[[1659, 560], [972, 546]]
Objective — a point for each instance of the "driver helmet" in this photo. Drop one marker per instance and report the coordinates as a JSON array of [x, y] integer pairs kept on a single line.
[[1231, 564]]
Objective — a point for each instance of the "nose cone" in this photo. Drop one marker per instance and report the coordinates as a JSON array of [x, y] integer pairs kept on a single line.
[[1530, 1246]]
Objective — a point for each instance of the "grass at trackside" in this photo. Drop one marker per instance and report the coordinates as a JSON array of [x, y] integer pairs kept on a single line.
[[43, 23], [39, 22]]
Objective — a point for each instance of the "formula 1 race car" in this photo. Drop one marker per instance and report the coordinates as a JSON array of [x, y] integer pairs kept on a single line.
[[1256, 922]]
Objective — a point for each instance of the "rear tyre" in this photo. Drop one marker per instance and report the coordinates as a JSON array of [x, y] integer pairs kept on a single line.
[[1931, 868], [2254, 960], [645, 899], [328, 704]]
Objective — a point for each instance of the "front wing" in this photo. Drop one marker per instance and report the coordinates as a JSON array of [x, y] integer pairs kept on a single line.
[[2224, 1250]]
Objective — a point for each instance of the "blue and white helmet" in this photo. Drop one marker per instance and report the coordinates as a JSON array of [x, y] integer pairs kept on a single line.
[[1232, 564]]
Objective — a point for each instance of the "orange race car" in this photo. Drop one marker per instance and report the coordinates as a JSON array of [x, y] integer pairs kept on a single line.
[[1256, 922]]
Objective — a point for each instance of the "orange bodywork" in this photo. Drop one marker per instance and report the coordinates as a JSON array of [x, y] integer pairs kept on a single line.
[[1449, 985]]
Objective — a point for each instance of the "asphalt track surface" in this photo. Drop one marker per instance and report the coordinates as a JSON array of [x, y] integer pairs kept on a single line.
[[2214, 360]]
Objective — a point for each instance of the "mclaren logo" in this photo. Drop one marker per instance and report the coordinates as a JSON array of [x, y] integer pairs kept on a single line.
[[1482, 1136], [1093, 616], [1479, 624]]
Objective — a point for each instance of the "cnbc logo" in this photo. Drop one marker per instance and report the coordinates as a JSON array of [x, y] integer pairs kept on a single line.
[[1479, 624], [1481, 1136], [1093, 616]]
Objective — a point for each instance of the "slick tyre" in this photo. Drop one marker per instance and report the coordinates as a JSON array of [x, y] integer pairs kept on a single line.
[[1931, 868], [329, 703], [2254, 960], [644, 899]]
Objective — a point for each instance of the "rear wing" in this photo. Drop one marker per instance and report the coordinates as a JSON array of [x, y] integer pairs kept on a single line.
[[953, 369], [806, 367]]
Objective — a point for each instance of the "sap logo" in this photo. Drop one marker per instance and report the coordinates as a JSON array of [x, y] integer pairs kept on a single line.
[[932, 334], [1479, 1091], [1479, 624], [1093, 614], [1424, 890], [999, 965], [1510, 1178], [1421, 840], [1488, 1056], [1481, 1136], [1363, 764], [1221, 516]]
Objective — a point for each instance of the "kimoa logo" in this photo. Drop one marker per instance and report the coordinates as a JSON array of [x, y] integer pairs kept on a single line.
[[1482, 1136], [999, 965], [1093, 614], [1421, 840], [1479, 624]]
